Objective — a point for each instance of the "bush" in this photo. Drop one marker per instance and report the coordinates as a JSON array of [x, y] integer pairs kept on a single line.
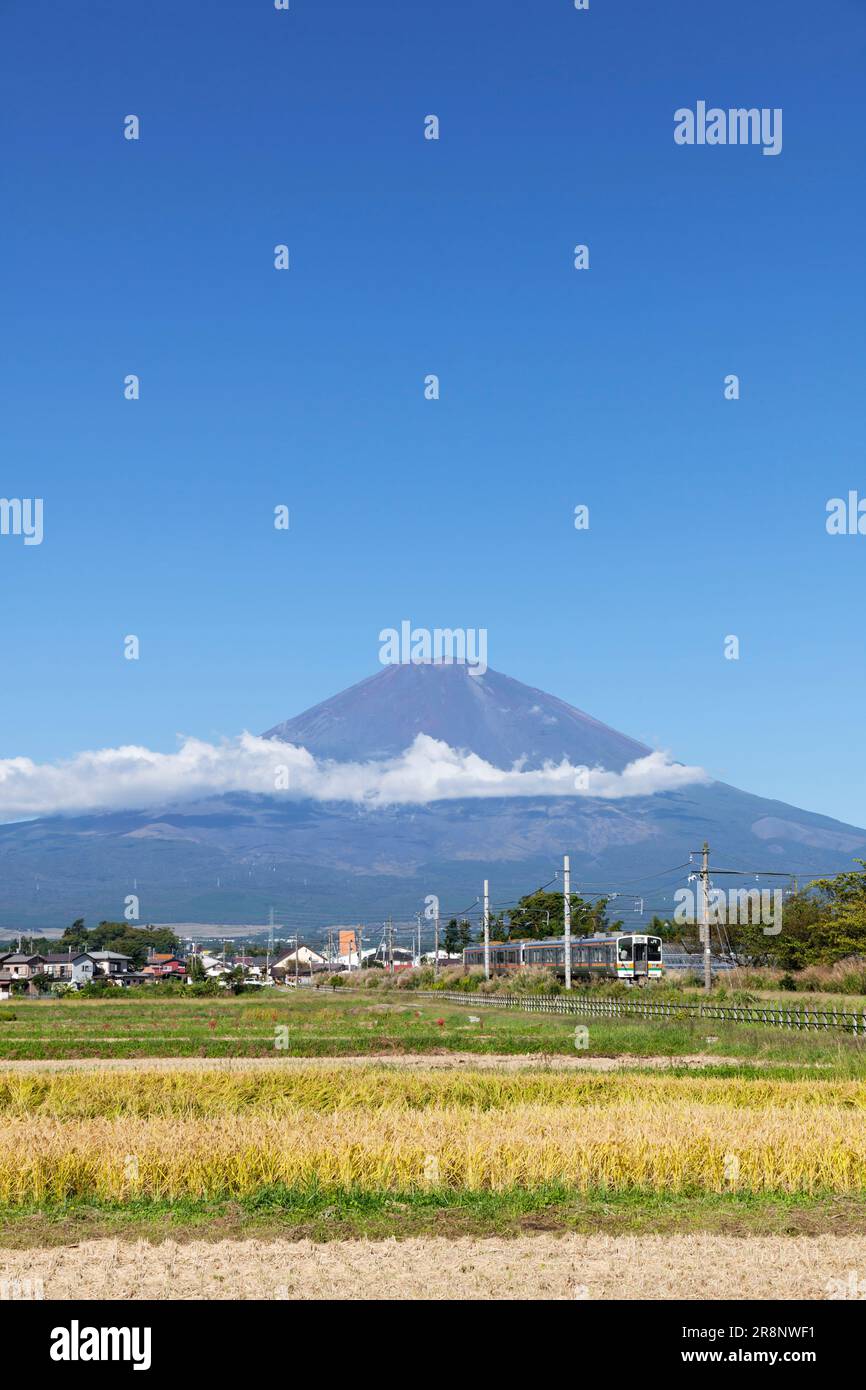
[[203, 989], [96, 988], [846, 976]]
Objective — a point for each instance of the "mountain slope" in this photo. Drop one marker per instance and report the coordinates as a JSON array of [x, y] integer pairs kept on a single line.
[[230, 858], [500, 719]]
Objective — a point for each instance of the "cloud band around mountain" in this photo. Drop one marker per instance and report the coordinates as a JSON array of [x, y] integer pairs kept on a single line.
[[135, 778]]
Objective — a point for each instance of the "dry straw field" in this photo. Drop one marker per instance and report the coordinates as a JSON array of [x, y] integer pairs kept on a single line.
[[561, 1267]]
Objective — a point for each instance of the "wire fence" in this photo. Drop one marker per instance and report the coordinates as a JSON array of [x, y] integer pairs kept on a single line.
[[626, 1008]]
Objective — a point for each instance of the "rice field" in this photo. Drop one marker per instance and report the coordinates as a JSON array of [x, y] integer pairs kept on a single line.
[[123, 1138], [206, 1093], [153, 1120], [322, 1024]]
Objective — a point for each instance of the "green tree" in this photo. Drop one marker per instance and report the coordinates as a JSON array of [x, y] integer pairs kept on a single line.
[[235, 981], [841, 928], [456, 936], [539, 915], [136, 942], [197, 972], [664, 927], [824, 923], [76, 935]]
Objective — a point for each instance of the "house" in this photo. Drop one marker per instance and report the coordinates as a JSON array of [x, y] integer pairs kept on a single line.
[[399, 956], [213, 966], [286, 967], [77, 969], [251, 965], [21, 966], [111, 962], [118, 968], [20, 969], [164, 965]]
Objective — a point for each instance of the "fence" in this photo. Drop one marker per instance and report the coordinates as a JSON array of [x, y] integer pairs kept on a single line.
[[624, 1008]]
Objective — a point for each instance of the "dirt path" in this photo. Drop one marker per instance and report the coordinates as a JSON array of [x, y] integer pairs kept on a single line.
[[541, 1266], [411, 1061]]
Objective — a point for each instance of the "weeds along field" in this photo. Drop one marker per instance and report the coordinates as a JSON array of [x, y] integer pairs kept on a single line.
[[324, 1024], [203, 1135]]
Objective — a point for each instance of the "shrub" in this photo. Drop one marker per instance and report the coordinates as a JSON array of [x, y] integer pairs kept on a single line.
[[96, 988]]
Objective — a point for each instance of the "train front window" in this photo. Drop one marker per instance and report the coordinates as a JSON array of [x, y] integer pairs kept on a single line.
[[654, 948], [624, 946]]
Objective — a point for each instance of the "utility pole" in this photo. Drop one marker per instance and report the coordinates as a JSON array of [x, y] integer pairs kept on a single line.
[[486, 921], [566, 908], [418, 920], [704, 880], [436, 942], [391, 945]]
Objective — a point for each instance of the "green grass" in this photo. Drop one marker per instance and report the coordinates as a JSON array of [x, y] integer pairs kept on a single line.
[[327, 1024], [320, 1214]]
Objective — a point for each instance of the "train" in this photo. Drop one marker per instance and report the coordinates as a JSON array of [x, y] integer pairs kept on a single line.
[[635, 958]]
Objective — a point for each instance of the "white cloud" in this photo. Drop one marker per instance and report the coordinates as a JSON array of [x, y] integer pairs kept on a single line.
[[133, 778]]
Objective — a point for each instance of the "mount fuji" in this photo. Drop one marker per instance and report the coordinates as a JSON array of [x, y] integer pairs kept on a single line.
[[228, 858]]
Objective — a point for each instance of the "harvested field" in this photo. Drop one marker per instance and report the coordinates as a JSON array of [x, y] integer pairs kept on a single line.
[[444, 1061], [542, 1266]]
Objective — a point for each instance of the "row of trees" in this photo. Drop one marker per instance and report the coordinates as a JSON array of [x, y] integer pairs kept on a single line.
[[136, 942], [822, 924], [537, 916]]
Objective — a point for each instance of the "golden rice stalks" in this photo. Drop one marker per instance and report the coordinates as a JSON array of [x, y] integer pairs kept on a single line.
[[209, 1093], [619, 1145]]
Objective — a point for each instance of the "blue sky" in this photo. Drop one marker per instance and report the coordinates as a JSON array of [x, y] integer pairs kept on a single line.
[[409, 257]]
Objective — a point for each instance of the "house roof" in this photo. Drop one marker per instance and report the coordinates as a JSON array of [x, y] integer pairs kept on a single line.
[[62, 958], [108, 955], [304, 953], [19, 959]]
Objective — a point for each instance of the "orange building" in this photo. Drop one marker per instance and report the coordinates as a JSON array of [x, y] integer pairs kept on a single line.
[[348, 941]]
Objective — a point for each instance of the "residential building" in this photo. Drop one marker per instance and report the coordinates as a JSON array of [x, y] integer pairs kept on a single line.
[[164, 965], [17, 969], [111, 962], [75, 969], [308, 962]]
